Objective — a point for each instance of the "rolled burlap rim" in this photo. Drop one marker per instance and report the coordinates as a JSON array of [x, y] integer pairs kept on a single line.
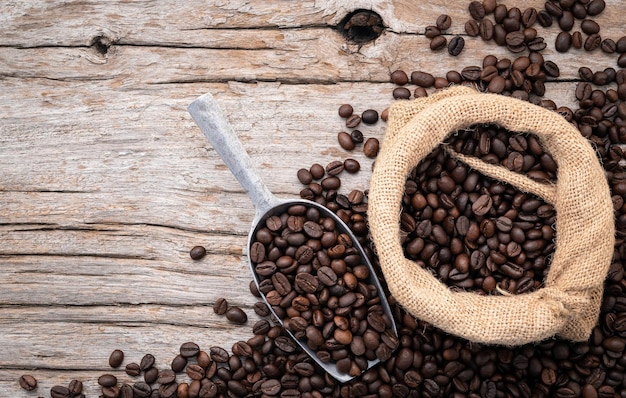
[[568, 303]]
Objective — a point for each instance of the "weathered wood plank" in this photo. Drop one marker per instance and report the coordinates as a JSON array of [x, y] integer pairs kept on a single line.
[[298, 56], [197, 23]]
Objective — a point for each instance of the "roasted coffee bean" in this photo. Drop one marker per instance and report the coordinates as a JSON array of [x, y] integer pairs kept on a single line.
[[566, 21], [472, 28], [142, 390], [456, 45], [236, 315], [544, 18], [28, 382], [444, 22], [437, 43], [345, 141], [116, 358], [197, 252], [150, 375], [592, 42], [486, 29], [60, 392], [399, 77], [476, 10], [371, 147], [608, 46], [107, 380], [595, 7], [353, 121], [345, 111], [189, 349], [563, 42], [432, 31], [369, 116], [398, 93], [422, 79], [221, 304], [133, 369]]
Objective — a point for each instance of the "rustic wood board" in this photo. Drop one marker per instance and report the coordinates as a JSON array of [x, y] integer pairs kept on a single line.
[[107, 183]]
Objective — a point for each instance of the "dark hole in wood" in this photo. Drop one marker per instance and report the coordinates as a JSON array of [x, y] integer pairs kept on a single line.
[[101, 44], [361, 26]]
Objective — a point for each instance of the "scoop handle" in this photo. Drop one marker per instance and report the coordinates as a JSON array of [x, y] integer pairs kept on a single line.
[[211, 120]]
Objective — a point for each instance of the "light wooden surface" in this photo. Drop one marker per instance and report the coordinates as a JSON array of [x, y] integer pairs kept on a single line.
[[106, 182]]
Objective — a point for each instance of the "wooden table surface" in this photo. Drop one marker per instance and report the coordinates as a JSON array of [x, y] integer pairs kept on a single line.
[[106, 182]]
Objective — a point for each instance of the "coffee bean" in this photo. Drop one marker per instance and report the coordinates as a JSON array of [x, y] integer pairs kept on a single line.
[[437, 43], [432, 31], [197, 252], [168, 390], [422, 79], [221, 304], [236, 315], [444, 22], [126, 391], [133, 369], [189, 349], [116, 358], [472, 28], [589, 26], [371, 147], [60, 392], [345, 111], [142, 390], [608, 46], [353, 121], [595, 7], [544, 18], [566, 21], [369, 116], [456, 45], [482, 205], [150, 375], [476, 10], [107, 380], [529, 17], [401, 93], [592, 42], [399, 77], [577, 40], [28, 382], [486, 29]]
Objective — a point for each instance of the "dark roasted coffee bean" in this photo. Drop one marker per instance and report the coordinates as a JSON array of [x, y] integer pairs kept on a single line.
[[150, 375], [432, 31], [133, 369], [482, 205], [399, 77], [28, 382], [178, 363], [142, 390], [371, 147], [75, 387], [345, 141], [197, 252], [476, 10], [147, 362], [126, 391], [471, 73], [592, 42], [369, 116], [422, 79], [589, 26], [544, 18], [620, 45], [189, 349], [209, 389], [566, 21], [353, 121], [608, 46], [595, 7], [236, 315], [398, 93], [221, 305], [345, 111], [456, 45], [218, 354], [166, 376], [107, 380], [472, 28], [437, 43], [529, 17], [116, 358], [444, 22], [60, 392]]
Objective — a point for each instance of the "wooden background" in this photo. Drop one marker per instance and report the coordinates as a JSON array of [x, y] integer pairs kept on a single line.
[[106, 182]]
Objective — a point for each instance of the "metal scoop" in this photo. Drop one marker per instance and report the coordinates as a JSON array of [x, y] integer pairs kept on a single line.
[[216, 128]]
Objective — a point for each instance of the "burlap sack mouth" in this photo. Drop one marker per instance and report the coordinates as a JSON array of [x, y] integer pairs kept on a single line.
[[568, 304]]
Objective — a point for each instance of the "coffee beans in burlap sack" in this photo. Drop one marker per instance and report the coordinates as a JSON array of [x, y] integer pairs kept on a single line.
[[568, 303]]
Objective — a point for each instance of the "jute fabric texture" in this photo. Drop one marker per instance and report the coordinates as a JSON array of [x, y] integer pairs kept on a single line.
[[568, 303]]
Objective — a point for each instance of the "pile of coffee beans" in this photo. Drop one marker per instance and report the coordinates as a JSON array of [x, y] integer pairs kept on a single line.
[[318, 285]]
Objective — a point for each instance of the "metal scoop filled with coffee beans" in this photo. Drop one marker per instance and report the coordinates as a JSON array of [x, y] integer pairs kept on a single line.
[[308, 266]]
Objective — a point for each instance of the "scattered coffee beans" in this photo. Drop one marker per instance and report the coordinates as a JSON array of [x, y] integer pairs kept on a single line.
[[197, 252]]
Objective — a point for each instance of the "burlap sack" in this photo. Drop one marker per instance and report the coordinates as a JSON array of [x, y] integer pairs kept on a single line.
[[568, 303]]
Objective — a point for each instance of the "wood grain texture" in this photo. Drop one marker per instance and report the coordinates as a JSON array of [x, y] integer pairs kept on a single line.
[[106, 181]]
